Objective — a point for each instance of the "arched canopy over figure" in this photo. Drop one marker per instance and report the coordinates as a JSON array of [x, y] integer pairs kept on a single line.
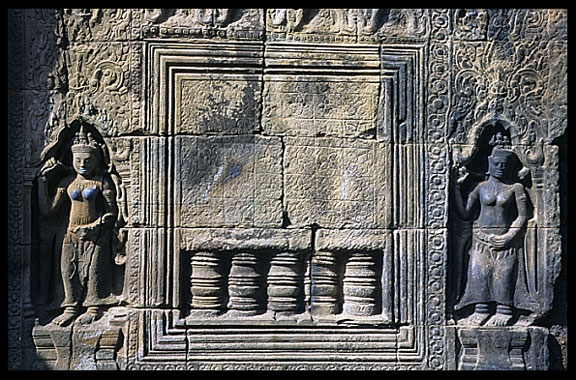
[[86, 249], [498, 206]]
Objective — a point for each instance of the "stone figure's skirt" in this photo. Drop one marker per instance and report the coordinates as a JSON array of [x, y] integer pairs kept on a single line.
[[491, 275], [85, 269]]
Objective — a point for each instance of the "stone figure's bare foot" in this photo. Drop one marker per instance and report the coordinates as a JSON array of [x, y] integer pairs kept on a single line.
[[89, 316], [65, 318], [499, 319], [475, 319]]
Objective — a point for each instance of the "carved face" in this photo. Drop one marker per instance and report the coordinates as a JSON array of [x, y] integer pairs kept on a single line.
[[85, 163], [498, 166]]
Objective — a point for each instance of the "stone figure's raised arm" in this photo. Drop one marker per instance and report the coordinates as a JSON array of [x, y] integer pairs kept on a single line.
[[464, 209], [48, 205]]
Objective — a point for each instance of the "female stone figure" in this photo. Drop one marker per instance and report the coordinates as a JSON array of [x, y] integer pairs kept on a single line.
[[493, 256], [86, 251]]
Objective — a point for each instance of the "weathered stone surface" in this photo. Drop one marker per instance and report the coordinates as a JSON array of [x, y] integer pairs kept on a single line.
[[97, 347], [336, 183], [227, 104], [317, 106], [504, 349], [228, 181], [348, 239], [205, 189], [197, 239]]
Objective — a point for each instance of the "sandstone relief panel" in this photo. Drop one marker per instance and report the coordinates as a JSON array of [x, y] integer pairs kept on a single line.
[[271, 189]]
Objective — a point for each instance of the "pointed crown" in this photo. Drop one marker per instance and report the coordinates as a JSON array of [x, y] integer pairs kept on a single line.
[[501, 146], [84, 142]]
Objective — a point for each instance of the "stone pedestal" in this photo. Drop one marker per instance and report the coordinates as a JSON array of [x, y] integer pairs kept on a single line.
[[498, 348], [53, 344], [91, 347]]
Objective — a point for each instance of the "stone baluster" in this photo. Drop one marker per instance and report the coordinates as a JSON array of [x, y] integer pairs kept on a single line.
[[245, 285], [284, 282], [360, 285], [206, 285], [325, 292]]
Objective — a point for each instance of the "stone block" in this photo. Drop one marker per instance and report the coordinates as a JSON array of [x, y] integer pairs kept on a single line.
[[336, 183], [79, 347], [320, 106], [198, 239], [217, 104], [503, 348], [352, 239], [229, 181]]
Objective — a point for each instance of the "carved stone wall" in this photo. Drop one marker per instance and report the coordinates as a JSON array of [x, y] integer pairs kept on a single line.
[[287, 189]]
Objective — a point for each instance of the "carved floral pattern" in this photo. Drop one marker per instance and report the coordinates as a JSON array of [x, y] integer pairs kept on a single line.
[[506, 76], [95, 24], [98, 82]]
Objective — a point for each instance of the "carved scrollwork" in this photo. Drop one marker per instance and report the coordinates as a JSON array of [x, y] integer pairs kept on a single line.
[[99, 85], [107, 76], [490, 81], [505, 76], [470, 24], [94, 24]]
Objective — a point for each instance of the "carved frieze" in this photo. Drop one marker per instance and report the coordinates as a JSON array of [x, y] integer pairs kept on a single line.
[[345, 25], [243, 24]]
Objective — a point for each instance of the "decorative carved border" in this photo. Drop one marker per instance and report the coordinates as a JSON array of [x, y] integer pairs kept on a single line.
[[437, 106], [168, 342], [15, 184]]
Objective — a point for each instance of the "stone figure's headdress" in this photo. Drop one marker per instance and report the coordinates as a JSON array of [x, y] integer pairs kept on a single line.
[[84, 143], [501, 146]]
